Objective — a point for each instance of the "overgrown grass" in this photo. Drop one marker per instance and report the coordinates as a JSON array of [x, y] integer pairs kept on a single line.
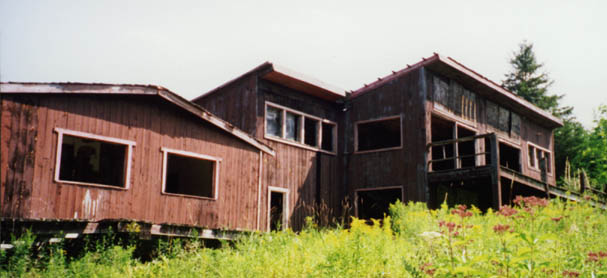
[[536, 238]]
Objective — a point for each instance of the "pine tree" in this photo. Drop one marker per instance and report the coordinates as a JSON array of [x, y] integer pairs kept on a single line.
[[527, 81]]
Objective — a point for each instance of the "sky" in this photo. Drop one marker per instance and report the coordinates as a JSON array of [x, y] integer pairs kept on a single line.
[[191, 47]]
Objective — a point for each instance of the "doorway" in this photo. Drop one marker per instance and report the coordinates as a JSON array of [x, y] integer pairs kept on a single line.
[[375, 202], [278, 208]]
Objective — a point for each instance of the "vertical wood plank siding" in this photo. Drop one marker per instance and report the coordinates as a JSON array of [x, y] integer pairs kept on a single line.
[[398, 167], [29, 150], [530, 131]]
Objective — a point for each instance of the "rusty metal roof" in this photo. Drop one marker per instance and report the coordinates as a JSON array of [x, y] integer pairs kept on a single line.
[[131, 89]]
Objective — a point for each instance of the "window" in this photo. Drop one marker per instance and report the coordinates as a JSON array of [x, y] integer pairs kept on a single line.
[[89, 159], [378, 134], [539, 158], [273, 121], [300, 129], [374, 203], [190, 174]]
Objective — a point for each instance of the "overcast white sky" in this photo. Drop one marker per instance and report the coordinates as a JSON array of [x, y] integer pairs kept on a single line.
[[191, 47]]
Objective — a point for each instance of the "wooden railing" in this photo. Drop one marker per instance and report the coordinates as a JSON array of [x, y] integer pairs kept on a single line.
[[481, 150]]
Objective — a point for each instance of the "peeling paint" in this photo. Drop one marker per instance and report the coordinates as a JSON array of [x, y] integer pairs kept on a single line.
[[90, 206]]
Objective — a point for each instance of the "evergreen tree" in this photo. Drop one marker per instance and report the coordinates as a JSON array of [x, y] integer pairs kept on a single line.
[[527, 81]]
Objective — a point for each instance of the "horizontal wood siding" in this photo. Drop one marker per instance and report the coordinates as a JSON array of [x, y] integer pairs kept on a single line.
[[399, 167], [152, 124]]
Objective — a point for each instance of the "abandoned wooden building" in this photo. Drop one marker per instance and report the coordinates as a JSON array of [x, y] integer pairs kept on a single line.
[[266, 149]]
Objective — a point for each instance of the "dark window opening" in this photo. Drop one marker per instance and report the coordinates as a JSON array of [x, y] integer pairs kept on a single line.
[[276, 211], [509, 157], [189, 176], [531, 153], [466, 149], [442, 130], [376, 203], [379, 134], [327, 137], [292, 128], [92, 161], [311, 132]]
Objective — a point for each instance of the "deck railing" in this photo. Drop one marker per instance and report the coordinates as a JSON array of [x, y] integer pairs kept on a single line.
[[446, 154]]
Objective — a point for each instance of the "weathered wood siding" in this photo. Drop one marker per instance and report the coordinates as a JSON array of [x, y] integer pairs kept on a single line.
[[235, 103], [312, 177], [29, 151], [404, 97], [445, 97]]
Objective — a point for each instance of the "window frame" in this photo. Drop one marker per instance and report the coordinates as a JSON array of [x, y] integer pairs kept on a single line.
[[400, 146], [129, 156], [301, 141], [536, 167], [285, 206], [215, 183]]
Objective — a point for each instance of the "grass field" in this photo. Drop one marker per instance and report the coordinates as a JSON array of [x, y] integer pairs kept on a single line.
[[534, 238]]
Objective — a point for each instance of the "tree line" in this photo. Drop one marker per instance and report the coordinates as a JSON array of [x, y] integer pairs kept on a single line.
[[583, 150]]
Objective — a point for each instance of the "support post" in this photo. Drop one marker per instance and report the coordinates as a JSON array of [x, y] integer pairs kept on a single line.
[[496, 188]]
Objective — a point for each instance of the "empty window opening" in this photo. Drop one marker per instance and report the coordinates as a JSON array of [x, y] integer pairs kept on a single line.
[[311, 132], [189, 175], [274, 121], [278, 208], [376, 203], [327, 136], [539, 158], [442, 130], [466, 150], [378, 135], [509, 157], [293, 126], [92, 161]]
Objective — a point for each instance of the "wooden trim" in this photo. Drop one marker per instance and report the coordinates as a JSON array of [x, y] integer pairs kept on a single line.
[[356, 151], [401, 187], [445, 115], [537, 161], [285, 205], [129, 155], [259, 190], [216, 166], [299, 143]]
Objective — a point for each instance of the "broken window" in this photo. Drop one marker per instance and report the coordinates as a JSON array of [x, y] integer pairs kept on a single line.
[[311, 132], [278, 211], [189, 173], [466, 150], [539, 158], [378, 134], [92, 159], [300, 128], [274, 121], [327, 136]]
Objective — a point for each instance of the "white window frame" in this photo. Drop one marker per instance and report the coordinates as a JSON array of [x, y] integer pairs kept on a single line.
[[215, 190], [356, 191], [400, 146], [285, 206], [300, 143], [128, 143], [537, 159]]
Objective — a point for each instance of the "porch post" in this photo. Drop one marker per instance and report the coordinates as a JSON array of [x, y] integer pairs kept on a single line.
[[496, 187]]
